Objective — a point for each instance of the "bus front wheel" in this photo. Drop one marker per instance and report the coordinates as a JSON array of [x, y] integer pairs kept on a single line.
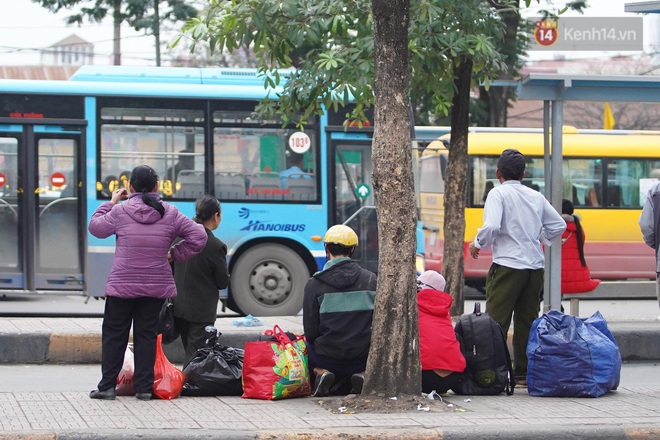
[[269, 280]]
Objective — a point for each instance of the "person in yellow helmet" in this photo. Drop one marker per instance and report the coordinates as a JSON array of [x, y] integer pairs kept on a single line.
[[337, 316]]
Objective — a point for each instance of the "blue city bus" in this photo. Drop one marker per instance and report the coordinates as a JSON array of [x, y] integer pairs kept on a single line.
[[65, 145]]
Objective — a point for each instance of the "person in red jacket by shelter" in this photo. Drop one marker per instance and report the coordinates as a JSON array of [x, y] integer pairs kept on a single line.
[[443, 363], [575, 275]]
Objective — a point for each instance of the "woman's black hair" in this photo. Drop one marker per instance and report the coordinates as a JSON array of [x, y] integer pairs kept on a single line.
[[567, 208], [144, 180], [206, 207]]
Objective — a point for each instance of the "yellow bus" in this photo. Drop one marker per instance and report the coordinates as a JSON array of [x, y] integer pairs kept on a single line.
[[606, 173]]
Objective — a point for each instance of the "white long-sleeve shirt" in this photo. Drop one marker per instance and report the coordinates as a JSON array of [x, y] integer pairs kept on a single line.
[[517, 219], [648, 220]]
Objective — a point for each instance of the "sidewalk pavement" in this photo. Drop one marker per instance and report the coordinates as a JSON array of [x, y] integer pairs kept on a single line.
[[627, 413]]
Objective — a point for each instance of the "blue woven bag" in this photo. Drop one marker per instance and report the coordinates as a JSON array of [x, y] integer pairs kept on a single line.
[[572, 357]]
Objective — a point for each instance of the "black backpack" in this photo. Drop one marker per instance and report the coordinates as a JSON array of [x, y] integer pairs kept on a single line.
[[489, 370]]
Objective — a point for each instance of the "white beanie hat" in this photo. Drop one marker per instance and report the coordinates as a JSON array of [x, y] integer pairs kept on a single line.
[[432, 279]]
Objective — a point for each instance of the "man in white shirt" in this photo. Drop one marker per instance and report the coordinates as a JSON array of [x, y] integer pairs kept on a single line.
[[517, 221], [649, 223]]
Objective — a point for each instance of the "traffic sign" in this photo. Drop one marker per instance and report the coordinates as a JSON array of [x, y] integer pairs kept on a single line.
[[2, 180], [363, 190], [57, 179]]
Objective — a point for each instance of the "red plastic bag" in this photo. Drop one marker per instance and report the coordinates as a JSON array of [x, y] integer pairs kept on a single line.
[[125, 385], [276, 368], [168, 379]]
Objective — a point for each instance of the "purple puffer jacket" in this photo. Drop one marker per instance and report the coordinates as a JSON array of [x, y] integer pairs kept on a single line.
[[140, 266]]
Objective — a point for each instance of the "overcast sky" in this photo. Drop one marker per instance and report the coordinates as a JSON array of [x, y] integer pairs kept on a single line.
[[26, 27]]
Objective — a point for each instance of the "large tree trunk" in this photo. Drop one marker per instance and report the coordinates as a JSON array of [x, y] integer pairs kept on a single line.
[[393, 368], [455, 187]]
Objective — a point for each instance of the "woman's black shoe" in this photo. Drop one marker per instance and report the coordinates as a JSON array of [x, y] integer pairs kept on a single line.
[[108, 394], [143, 396]]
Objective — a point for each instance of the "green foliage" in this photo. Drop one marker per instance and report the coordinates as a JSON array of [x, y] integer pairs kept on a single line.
[[327, 47]]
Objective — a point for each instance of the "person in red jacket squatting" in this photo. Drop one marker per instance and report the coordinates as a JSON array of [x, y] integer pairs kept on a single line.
[[443, 363], [140, 277], [575, 275]]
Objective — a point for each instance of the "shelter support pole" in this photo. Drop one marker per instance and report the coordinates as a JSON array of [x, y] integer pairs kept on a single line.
[[553, 264], [548, 193]]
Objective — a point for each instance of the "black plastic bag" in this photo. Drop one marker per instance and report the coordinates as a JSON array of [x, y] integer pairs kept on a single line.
[[166, 325], [215, 370]]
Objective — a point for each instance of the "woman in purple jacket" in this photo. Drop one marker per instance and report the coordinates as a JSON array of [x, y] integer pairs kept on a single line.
[[141, 277]]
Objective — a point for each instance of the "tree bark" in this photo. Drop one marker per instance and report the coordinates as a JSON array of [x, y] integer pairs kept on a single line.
[[455, 187], [157, 30], [393, 368], [116, 38]]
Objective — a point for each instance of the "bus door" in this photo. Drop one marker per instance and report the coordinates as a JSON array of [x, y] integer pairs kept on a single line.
[[353, 199], [42, 226]]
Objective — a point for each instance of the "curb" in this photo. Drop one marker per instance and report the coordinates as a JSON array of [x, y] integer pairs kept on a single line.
[[548, 432], [637, 341], [471, 433], [18, 348], [74, 348], [128, 434]]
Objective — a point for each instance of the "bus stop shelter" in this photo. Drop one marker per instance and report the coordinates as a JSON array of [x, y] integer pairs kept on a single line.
[[554, 90]]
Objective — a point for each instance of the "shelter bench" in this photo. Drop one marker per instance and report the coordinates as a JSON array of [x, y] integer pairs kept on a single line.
[[615, 290]]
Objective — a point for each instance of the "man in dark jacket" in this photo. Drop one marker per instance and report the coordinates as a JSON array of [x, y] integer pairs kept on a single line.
[[337, 315]]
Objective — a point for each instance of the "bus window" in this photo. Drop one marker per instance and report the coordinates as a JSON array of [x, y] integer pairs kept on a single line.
[[169, 140], [257, 163], [8, 167], [623, 176], [432, 177], [582, 181], [352, 169], [483, 179], [578, 179], [10, 261], [535, 174]]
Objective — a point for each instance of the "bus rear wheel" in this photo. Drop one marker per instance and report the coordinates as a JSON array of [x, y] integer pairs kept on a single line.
[[269, 280]]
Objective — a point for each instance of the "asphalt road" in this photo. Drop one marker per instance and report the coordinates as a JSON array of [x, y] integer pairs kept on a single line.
[[77, 305], [72, 305]]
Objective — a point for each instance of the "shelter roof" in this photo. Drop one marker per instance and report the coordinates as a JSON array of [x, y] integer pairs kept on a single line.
[[643, 7], [556, 87]]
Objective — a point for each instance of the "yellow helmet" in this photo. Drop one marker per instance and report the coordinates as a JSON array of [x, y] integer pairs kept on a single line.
[[341, 234]]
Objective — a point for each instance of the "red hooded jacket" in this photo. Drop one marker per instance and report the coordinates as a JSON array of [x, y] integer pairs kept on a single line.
[[439, 349], [575, 278]]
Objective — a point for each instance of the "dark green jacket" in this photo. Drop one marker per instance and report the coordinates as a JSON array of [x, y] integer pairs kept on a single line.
[[198, 280], [338, 310]]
